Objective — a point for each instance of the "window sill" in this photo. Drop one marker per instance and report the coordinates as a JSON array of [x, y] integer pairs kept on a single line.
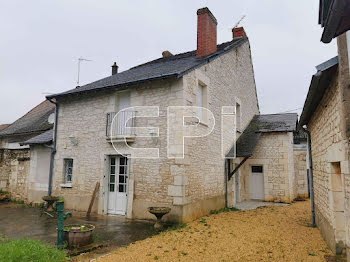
[[67, 185]]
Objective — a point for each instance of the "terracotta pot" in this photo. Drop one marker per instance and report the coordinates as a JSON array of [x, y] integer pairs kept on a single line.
[[77, 238]]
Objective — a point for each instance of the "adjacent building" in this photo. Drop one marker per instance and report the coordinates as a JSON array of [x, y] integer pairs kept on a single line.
[[326, 116], [24, 167]]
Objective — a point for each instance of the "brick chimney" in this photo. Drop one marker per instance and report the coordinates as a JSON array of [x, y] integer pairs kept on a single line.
[[238, 32], [206, 32]]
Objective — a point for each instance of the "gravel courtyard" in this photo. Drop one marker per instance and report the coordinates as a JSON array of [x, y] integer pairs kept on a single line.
[[273, 233]]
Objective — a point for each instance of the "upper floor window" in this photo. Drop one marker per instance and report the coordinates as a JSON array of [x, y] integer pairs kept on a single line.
[[202, 101], [68, 170]]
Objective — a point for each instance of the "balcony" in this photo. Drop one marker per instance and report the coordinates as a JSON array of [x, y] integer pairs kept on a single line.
[[119, 127]]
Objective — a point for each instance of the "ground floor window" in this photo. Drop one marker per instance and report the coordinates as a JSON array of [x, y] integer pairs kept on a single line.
[[68, 170]]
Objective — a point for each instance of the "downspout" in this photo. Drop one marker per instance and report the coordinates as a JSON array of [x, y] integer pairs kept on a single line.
[[227, 171], [311, 179], [53, 148]]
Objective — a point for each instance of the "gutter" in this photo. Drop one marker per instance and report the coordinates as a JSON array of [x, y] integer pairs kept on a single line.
[[311, 179], [53, 148]]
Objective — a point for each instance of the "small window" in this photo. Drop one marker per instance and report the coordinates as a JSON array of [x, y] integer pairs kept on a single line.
[[201, 101], [257, 169], [68, 170], [238, 117]]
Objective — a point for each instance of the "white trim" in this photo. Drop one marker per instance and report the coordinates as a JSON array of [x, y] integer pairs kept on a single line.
[[66, 185]]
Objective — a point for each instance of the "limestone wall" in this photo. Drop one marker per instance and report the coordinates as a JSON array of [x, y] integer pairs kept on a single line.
[[84, 118], [229, 79], [274, 152], [14, 170], [328, 150], [300, 170]]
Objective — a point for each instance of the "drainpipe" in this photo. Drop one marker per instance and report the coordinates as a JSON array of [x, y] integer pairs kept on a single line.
[[227, 171], [311, 179], [53, 148]]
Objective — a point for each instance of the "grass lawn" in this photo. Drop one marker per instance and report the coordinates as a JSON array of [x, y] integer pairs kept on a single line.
[[28, 250], [273, 233]]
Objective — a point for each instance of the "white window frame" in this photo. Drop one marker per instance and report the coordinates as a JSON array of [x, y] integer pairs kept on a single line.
[[202, 101], [67, 167]]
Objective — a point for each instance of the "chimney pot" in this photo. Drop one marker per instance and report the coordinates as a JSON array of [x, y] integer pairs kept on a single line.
[[166, 53], [238, 32], [206, 32], [114, 68]]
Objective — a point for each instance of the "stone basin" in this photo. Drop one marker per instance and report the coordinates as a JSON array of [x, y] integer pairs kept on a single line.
[[159, 212], [50, 200]]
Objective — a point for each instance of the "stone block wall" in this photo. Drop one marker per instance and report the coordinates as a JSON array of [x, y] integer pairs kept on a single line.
[[329, 149], [229, 80], [300, 170], [274, 152], [14, 170], [84, 118]]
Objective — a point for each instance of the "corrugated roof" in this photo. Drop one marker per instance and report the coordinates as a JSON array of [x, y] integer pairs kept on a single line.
[[319, 83], [44, 138], [165, 67], [270, 123], [36, 120]]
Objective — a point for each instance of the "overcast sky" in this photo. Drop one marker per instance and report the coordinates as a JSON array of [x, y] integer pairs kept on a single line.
[[42, 40]]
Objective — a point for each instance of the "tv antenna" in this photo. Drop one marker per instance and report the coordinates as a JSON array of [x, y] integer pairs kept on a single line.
[[239, 21], [80, 59]]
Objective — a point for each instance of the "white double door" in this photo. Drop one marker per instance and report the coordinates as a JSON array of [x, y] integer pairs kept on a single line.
[[117, 185]]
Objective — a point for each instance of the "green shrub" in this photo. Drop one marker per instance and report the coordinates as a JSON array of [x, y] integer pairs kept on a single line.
[[29, 250]]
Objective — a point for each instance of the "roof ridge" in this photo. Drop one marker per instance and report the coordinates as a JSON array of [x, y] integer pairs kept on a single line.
[[176, 56]]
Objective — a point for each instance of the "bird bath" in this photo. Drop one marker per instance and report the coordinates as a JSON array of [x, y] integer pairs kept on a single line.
[[159, 212]]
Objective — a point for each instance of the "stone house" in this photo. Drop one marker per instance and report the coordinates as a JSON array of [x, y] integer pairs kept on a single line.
[[268, 162], [212, 76], [326, 115], [96, 145], [24, 166]]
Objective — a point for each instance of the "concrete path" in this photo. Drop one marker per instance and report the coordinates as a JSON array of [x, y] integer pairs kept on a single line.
[[250, 205]]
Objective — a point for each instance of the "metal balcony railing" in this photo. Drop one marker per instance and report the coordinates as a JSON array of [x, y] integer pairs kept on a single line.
[[119, 125]]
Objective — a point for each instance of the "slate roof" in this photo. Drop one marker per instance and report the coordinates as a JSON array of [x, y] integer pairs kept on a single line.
[[319, 83], [36, 120], [248, 140], [3, 126], [334, 16], [44, 138], [166, 67]]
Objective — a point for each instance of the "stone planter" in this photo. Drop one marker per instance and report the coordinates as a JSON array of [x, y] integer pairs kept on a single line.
[[159, 212], [78, 235]]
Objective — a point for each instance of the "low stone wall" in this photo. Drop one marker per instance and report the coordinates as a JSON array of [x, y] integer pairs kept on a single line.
[[14, 170]]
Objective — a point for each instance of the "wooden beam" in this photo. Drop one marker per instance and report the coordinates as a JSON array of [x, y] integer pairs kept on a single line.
[[237, 167], [93, 199]]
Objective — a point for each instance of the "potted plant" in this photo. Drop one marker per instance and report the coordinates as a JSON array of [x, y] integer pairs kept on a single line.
[[78, 235]]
